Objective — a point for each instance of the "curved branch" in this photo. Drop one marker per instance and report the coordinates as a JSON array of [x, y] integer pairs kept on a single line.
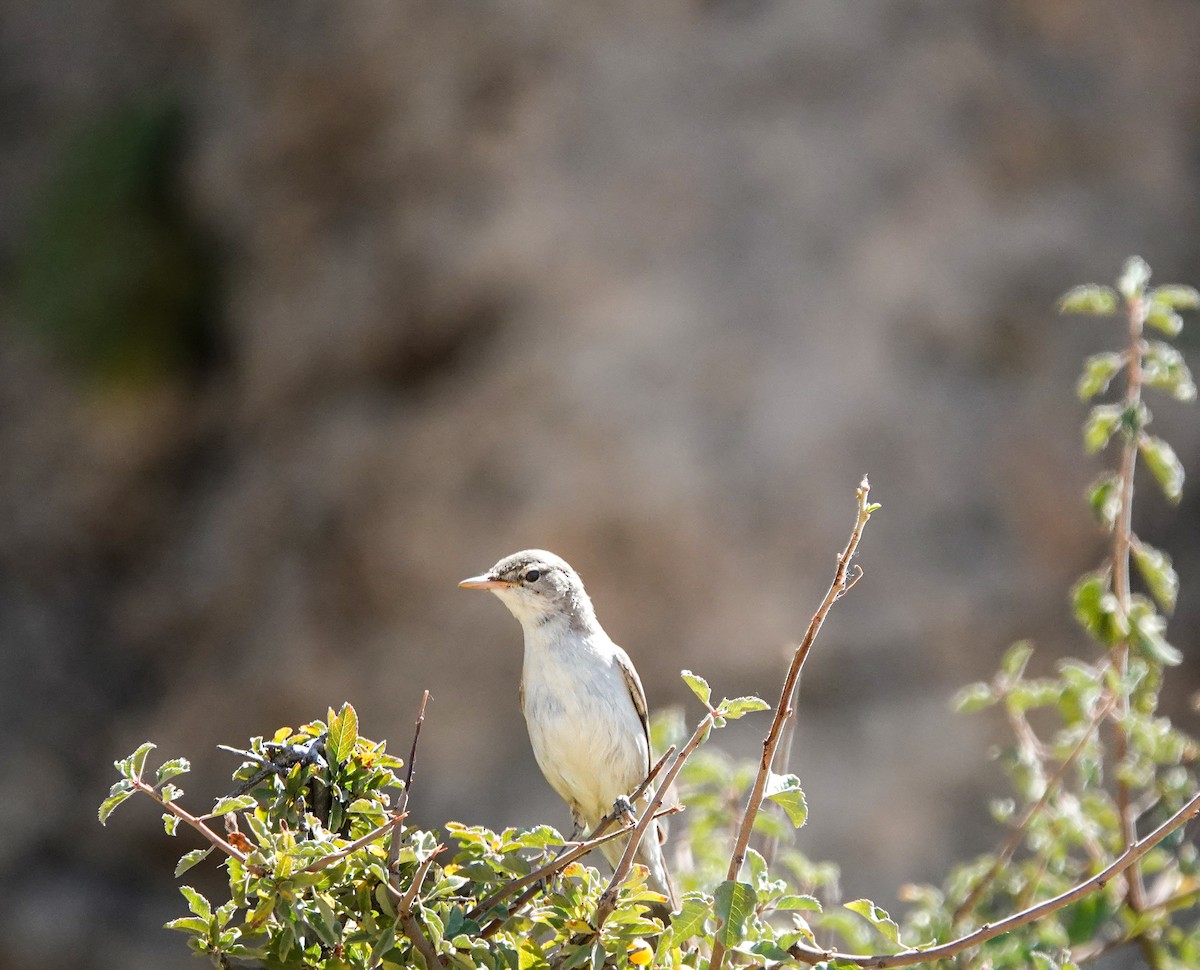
[[906, 958]]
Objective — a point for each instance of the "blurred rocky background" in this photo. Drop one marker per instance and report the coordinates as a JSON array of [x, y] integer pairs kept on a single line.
[[311, 310]]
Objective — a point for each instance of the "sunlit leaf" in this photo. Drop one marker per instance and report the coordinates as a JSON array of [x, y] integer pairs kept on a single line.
[[1104, 498], [1098, 372], [877, 917], [733, 904], [735, 707], [1164, 465], [343, 734], [1176, 297], [785, 791], [1100, 301], [189, 859], [698, 685], [1135, 274], [1163, 319], [1100, 425], [1158, 574], [119, 792], [233, 803]]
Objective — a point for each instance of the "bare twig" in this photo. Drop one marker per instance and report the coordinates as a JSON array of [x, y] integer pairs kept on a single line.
[[842, 579], [608, 898], [327, 860], [563, 858], [534, 881], [196, 823], [1130, 857], [1122, 538], [394, 843], [1010, 846], [407, 915]]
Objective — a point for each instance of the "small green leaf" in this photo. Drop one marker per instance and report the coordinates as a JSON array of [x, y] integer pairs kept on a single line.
[[698, 685], [1016, 658], [1096, 609], [1176, 297], [1147, 631], [132, 766], [877, 917], [233, 803], [1163, 319], [1134, 276], [974, 697], [1042, 961], [1098, 301], [172, 768], [785, 791], [117, 794], [189, 859], [735, 707], [170, 823], [1164, 369], [1158, 574], [188, 924], [343, 734], [1098, 372], [1100, 425], [1104, 497], [733, 904], [196, 903], [1164, 465], [169, 792]]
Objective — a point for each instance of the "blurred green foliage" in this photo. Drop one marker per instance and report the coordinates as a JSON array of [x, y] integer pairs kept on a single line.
[[112, 274]]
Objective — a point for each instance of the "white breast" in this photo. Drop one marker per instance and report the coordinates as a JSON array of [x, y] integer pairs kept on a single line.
[[586, 733]]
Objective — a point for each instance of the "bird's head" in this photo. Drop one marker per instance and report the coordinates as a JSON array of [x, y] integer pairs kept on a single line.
[[537, 587]]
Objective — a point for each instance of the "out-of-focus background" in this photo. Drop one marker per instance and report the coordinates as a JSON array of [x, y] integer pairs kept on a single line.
[[311, 310]]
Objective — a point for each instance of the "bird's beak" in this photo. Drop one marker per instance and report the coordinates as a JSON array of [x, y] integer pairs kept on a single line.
[[484, 582]]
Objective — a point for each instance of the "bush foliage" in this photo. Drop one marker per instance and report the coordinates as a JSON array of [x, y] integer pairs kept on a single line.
[[326, 872]]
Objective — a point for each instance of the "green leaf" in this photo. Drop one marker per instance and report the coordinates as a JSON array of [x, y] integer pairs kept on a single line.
[[1164, 319], [1100, 425], [1104, 497], [117, 794], [794, 901], [137, 760], [196, 903], [1134, 276], [698, 685], [1158, 574], [1098, 372], [1100, 301], [1016, 658], [1164, 465], [877, 917], [343, 734], [189, 859], [170, 823], [1042, 961], [1164, 369], [974, 697], [735, 707], [188, 924], [172, 768], [169, 792], [785, 791], [733, 904], [695, 908], [1176, 297], [1096, 609], [1147, 631], [233, 803]]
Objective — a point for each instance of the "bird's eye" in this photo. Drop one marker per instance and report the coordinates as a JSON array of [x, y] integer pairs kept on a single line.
[[532, 576]]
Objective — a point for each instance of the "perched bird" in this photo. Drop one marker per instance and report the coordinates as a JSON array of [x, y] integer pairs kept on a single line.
[[582, 699]]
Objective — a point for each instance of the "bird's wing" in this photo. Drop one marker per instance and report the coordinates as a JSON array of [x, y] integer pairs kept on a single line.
[[637, 695]]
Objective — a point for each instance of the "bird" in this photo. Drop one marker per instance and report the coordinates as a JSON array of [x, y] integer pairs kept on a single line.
[[582, 699]]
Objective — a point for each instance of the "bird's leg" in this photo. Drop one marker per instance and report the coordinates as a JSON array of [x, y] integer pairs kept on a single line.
[[623, 808]]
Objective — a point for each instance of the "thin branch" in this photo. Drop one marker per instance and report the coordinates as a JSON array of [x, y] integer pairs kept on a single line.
[[407, 916], [192, 820], [608, 898], [879, 961], [842, 579], [1014, 840], [327, 860], [394, 844], [1122, 538], [537, 878]]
